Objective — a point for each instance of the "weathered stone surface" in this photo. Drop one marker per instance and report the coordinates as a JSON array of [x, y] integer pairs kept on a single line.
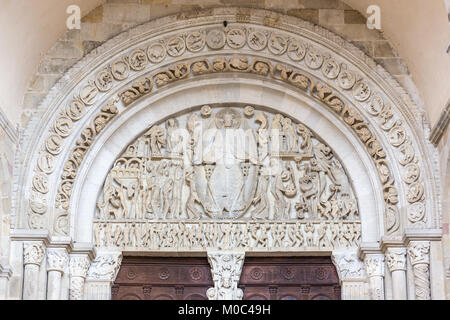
[[383, 49], [353, 17], [311, 15], [331, 16]]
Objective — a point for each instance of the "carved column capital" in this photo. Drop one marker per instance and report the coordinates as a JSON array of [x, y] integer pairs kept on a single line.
[[348, 265], [57, 260], [226, 268], [374, 265], [79, 266], [396, 259], [33, 253], [419, 252], [105, 267]]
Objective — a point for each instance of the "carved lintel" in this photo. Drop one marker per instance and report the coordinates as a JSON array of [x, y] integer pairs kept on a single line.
[[419, 255], [226, 268], [396, 259], [105, 267], [33, 253]]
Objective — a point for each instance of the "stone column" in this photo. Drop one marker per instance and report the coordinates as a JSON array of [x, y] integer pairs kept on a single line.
[[102, 274], [79, 266], [396, 261], [352, 275], [56, 265], [33, 254], [226, 268], [419, 255], [375, 271]]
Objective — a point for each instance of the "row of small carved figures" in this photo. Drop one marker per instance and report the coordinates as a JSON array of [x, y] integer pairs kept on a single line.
[[227, 235]]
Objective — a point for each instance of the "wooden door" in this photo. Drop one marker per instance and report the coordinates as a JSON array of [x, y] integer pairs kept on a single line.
[[162, 279], [295, 278], [283, 278]]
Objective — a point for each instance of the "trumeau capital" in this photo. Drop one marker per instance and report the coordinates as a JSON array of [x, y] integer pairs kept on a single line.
[[57, 259], [33, 253], [374, 265], [418, 252], [105, 267], [348, 265], [396, 259], [226, 268], [79, 266]]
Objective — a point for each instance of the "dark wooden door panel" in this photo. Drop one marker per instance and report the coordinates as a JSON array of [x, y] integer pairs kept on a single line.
[[163, 279], [292, 278]]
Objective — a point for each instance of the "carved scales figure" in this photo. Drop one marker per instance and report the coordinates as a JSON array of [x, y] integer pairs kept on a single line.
[[229, 174]]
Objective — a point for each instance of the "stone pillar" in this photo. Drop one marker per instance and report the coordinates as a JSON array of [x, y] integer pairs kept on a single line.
[[375, 271], [79, 266], [226, 268], [33, 255], [56, 265], [352, 275], [396, 261], [101, 276], [419, 255]]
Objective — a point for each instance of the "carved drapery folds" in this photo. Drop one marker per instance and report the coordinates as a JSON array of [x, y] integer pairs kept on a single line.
[[226, 268], [322, 67], [419, 255], [227, 177]]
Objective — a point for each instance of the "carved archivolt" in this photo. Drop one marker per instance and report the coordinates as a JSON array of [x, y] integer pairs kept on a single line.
[[76, 157], [303, 55], [227, 177]]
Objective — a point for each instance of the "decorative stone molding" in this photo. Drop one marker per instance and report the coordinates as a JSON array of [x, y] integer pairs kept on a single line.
[[226, 268], [441, 126], [33, 253], [8, 127], [396, 259], [419, 255], [105, 267]]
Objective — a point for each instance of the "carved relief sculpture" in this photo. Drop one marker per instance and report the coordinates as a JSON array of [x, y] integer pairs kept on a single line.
[[232, 181]]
